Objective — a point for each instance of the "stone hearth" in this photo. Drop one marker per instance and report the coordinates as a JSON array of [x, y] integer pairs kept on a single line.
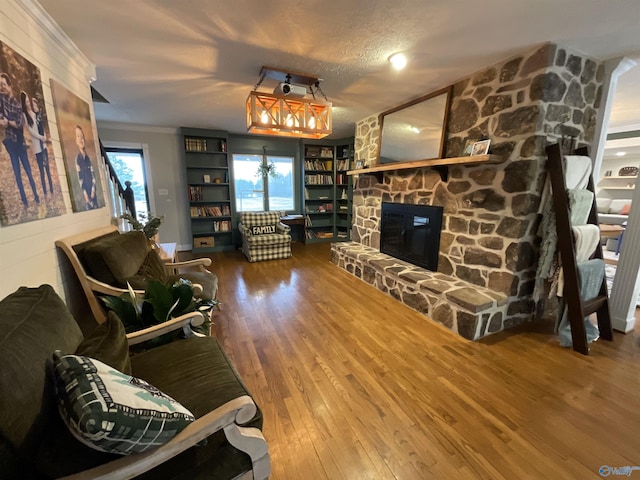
[[466, 309]]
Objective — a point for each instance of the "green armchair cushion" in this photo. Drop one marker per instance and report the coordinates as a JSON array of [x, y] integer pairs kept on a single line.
[[152, 268], [113, 412], [113, 259], [108, 343], [27, 341]]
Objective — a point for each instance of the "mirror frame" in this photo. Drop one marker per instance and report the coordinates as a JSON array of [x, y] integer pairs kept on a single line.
[[448, 91]]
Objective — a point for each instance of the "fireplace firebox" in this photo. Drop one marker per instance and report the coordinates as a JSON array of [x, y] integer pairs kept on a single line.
[[411, 233]]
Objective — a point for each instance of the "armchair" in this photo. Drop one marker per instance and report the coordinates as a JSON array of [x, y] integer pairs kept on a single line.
[[106, 260], [34, 441], [264, 237]]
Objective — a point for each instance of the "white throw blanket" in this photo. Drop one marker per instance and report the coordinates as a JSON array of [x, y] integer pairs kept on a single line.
[[577, 170]]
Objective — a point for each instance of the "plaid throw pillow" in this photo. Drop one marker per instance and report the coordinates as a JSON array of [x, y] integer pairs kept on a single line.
[[113, 412]]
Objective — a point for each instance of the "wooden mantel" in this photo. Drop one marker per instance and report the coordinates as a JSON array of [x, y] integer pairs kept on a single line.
[[437, 163]]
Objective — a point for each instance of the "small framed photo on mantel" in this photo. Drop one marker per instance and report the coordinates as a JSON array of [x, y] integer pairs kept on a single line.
[[359, 165], [481, 147]]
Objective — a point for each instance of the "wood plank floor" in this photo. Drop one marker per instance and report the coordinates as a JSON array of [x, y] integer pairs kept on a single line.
[[354, 385]]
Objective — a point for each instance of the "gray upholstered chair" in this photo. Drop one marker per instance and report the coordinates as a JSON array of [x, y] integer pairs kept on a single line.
[[264, 237]]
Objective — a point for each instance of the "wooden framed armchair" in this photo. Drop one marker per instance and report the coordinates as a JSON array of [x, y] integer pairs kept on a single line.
[[35, 442], [105, 260]]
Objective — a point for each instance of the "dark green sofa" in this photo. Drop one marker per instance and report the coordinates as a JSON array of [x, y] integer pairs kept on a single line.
[[35, 443]]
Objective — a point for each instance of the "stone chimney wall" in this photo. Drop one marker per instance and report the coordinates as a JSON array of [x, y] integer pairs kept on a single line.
[[489, 235]]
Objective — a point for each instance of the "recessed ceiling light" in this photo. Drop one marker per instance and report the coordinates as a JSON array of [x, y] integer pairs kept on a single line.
[[621, 154], [415, 129], [398, 61]]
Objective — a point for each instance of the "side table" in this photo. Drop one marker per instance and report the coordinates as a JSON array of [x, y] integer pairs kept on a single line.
[[167, 252], [296, 220]]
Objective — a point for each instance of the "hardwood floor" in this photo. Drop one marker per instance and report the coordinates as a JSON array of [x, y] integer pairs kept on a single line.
[[354, 385]]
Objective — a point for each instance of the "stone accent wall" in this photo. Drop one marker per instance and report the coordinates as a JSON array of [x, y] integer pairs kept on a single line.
[[490, 225]]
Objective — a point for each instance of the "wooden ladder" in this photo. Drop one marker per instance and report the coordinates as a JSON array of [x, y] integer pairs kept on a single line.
[[578, 308]]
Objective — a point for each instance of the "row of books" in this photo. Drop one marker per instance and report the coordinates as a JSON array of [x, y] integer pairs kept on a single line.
[[318, 164], [315, 151], [342, 178], [222, 226], [342, 164], [318, 179], [203, 145], [195, 193], [211, 211]]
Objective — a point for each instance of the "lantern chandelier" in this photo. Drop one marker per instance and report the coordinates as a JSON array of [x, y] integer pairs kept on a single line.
[[287, 112]]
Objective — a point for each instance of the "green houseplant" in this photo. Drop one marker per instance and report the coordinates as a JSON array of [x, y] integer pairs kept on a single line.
[[159, 303], [147, 223]]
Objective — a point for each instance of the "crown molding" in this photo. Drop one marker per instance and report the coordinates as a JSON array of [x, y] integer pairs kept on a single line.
[[137, 127], [58, 36]]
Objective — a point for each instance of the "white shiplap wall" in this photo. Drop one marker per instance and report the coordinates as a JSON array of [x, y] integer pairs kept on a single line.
[[27, 252]]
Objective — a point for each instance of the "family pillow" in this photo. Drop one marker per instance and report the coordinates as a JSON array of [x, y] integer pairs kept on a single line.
[[110, 411], [263, 229]]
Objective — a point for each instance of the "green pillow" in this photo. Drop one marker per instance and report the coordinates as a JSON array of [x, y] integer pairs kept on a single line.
[[113, 412], [108, 344]]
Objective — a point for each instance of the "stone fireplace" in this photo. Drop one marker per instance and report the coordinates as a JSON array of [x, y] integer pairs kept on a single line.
[[489, 235]]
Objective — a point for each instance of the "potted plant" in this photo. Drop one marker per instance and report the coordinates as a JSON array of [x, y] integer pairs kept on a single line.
[[267, 169], [160, 303], [148, 224]]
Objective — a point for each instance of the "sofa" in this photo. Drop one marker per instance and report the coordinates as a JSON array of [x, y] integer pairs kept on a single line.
[[613, 211], [264, 237], [222, 439], [106, 261]]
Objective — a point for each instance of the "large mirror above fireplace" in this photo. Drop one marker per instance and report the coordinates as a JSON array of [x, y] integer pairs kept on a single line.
[[415, 130]]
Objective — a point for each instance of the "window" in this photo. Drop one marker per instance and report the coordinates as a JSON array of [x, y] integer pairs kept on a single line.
[[250, 183], [129, 166]]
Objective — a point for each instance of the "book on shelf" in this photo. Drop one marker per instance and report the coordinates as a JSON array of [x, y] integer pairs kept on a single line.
[[222, 226], [195, 193], [342, 164], [318, 179], [195, 144], [326, 152], [320, 165], [211, 211]]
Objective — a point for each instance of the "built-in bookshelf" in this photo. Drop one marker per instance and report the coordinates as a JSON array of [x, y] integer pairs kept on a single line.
[[208, 189], [327, 190], [344, 190]]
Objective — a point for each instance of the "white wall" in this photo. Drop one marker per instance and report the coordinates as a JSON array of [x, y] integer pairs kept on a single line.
[[166, 175], [27, 252]]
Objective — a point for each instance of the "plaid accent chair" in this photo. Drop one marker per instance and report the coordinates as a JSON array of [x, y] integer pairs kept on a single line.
[[263, 236]]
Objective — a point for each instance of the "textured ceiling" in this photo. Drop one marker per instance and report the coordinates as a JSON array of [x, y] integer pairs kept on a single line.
[[193, 62]]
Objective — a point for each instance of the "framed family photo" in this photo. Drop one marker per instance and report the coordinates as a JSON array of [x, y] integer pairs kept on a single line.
[[480, 148], [29, 182], [359, 165], [78, 149]]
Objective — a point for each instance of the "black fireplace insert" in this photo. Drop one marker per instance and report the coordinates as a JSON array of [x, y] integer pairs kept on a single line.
[[411, 233]]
